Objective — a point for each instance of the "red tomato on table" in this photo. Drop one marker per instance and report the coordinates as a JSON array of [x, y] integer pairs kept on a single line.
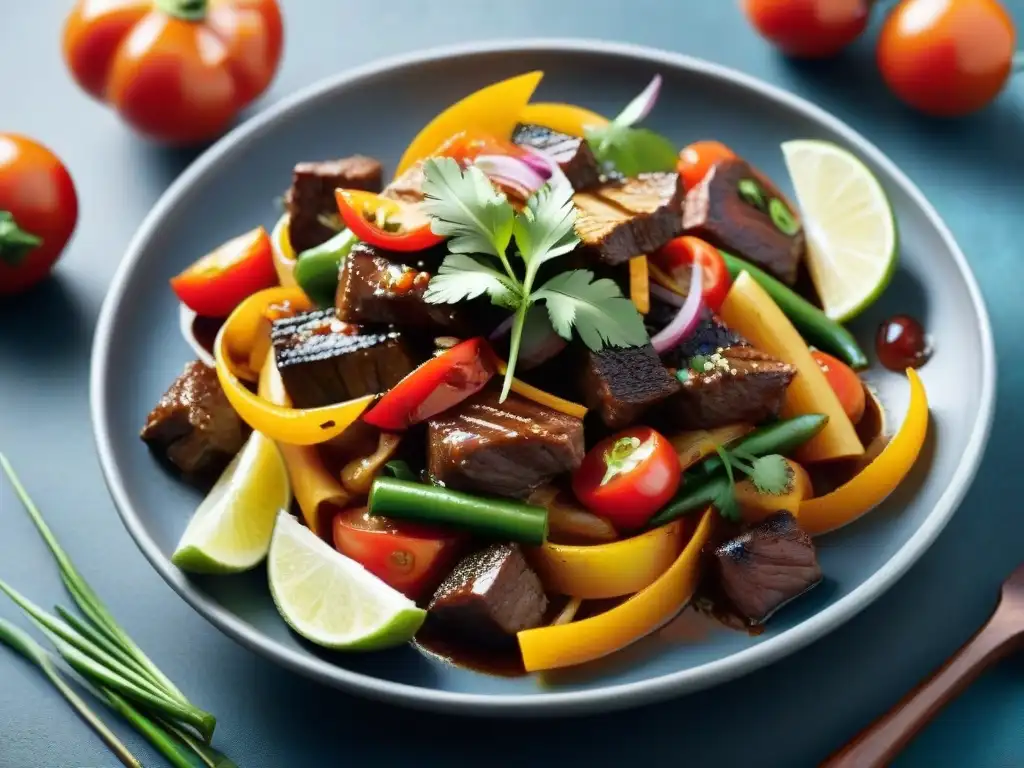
[[628, 477], [176, 70], [809, 28], [224, 278], [844, 382], [407, 556], [677, 258], [38, 212]]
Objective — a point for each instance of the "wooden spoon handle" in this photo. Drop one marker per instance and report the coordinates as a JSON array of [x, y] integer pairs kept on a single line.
[[880, 742]]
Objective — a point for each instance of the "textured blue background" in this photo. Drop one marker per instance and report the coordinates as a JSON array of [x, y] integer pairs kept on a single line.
[[791, 714]]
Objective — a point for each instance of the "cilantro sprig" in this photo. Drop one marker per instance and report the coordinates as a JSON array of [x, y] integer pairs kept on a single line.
[[484, 229], [622, 146], [770, 474]]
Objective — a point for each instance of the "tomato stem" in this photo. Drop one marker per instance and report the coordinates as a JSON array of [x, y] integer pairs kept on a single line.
[[186, 10], [15, 242]]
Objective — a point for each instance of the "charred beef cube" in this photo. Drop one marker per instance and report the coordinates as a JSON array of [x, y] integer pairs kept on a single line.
[[310, 201], [490, 596], [194, 426], [374, 289], [765, 567], [407, 188], [622, 219], [505, 449], [323, 360], [572, 153], [623, 382], [731, 208]]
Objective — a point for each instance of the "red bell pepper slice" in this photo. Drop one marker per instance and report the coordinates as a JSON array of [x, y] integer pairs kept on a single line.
[[373, 218], [224, 278], [435, 386]]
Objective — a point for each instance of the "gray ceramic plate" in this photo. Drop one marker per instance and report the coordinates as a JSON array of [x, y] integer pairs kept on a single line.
[[376, 110]]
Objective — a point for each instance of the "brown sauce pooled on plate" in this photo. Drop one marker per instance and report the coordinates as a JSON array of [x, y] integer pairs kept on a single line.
[[902, 343]]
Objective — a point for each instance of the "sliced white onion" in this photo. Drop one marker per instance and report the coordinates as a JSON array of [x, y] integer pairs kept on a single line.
[[186, 320], [686, 318]]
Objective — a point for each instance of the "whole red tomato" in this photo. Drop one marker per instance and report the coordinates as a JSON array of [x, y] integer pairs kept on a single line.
[[38, 211], [628, 477], [809, 28], [947, 58], [176, 70]]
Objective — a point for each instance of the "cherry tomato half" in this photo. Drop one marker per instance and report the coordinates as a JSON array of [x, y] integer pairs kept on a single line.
[[628, 477], [947, 58], [696, 160], [677, 258], [809, 28], [38, 212], [407, 556], [224, 278], [844, 382]]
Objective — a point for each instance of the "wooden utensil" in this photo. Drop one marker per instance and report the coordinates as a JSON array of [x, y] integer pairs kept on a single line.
[[881, 741]]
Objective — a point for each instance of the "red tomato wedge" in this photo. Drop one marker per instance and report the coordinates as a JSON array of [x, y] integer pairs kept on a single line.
[[435, 386], [844, 382], [385, 223], [628, 477], [677, 258], [407, 556], [224, 278]]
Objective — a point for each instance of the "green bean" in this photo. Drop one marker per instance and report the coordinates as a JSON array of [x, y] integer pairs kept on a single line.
[[316, 270], [780, 437], [692, 496], [812, 323]]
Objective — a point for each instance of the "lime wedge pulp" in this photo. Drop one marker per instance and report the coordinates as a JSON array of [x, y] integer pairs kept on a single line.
[[231, 530], [850, 226], [332, 600]]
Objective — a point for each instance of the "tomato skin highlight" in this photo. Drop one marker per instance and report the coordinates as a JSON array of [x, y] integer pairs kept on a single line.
[[435, 386], [407, 556], [677, 258], [220, 281], [844, 382], [809, 28], [947, 59], [628, 477], [696, 159], [38, 193]]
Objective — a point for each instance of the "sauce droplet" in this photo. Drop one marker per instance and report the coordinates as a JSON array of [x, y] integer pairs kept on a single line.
[[902, 343]]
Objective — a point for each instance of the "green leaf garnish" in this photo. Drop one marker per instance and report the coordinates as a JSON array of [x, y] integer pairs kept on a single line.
[[481, 223], [628, 149]]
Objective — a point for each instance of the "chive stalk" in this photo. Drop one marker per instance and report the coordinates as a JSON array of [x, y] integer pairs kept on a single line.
[[177, 754]]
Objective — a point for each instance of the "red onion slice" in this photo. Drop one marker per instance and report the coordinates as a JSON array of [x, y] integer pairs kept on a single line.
[[686, 318], [513, 170], [641, 106]]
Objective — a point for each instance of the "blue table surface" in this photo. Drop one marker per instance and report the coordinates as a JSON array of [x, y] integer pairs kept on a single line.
[[791, 714]]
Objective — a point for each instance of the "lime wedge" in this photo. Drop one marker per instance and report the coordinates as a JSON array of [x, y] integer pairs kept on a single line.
[[850, 227], [231, 530], [331, 600]]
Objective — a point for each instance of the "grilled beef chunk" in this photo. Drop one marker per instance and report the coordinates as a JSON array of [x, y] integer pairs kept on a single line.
[[506, 449], [622, 219], [765, 567], [323, 360], [622, 382], [194, 425], [407, 188], [572, 153], [311, 196], [491, 595], [720, 210], [374, 289]]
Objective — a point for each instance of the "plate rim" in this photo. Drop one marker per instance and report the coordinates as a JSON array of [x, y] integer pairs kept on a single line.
[[609, 697]]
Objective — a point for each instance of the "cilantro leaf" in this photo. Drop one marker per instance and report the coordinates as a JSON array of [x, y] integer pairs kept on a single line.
[[545, 228], [632, 151], [772, 474], [595, 308], [466, 207], [461, 277]]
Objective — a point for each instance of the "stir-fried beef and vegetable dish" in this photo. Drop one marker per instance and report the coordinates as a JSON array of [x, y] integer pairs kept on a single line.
[[549, 385]]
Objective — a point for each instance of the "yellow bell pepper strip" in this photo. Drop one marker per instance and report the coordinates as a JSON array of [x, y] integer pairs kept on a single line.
[[553, 402], [608, 570], [879, 478], [665, 280], [751, 312], [755, 506], [694, 445], [295, 426], [318, 492], [580, 641], [244, 327], [639, 284], [493, 110], [565, 118], [284, 254]]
